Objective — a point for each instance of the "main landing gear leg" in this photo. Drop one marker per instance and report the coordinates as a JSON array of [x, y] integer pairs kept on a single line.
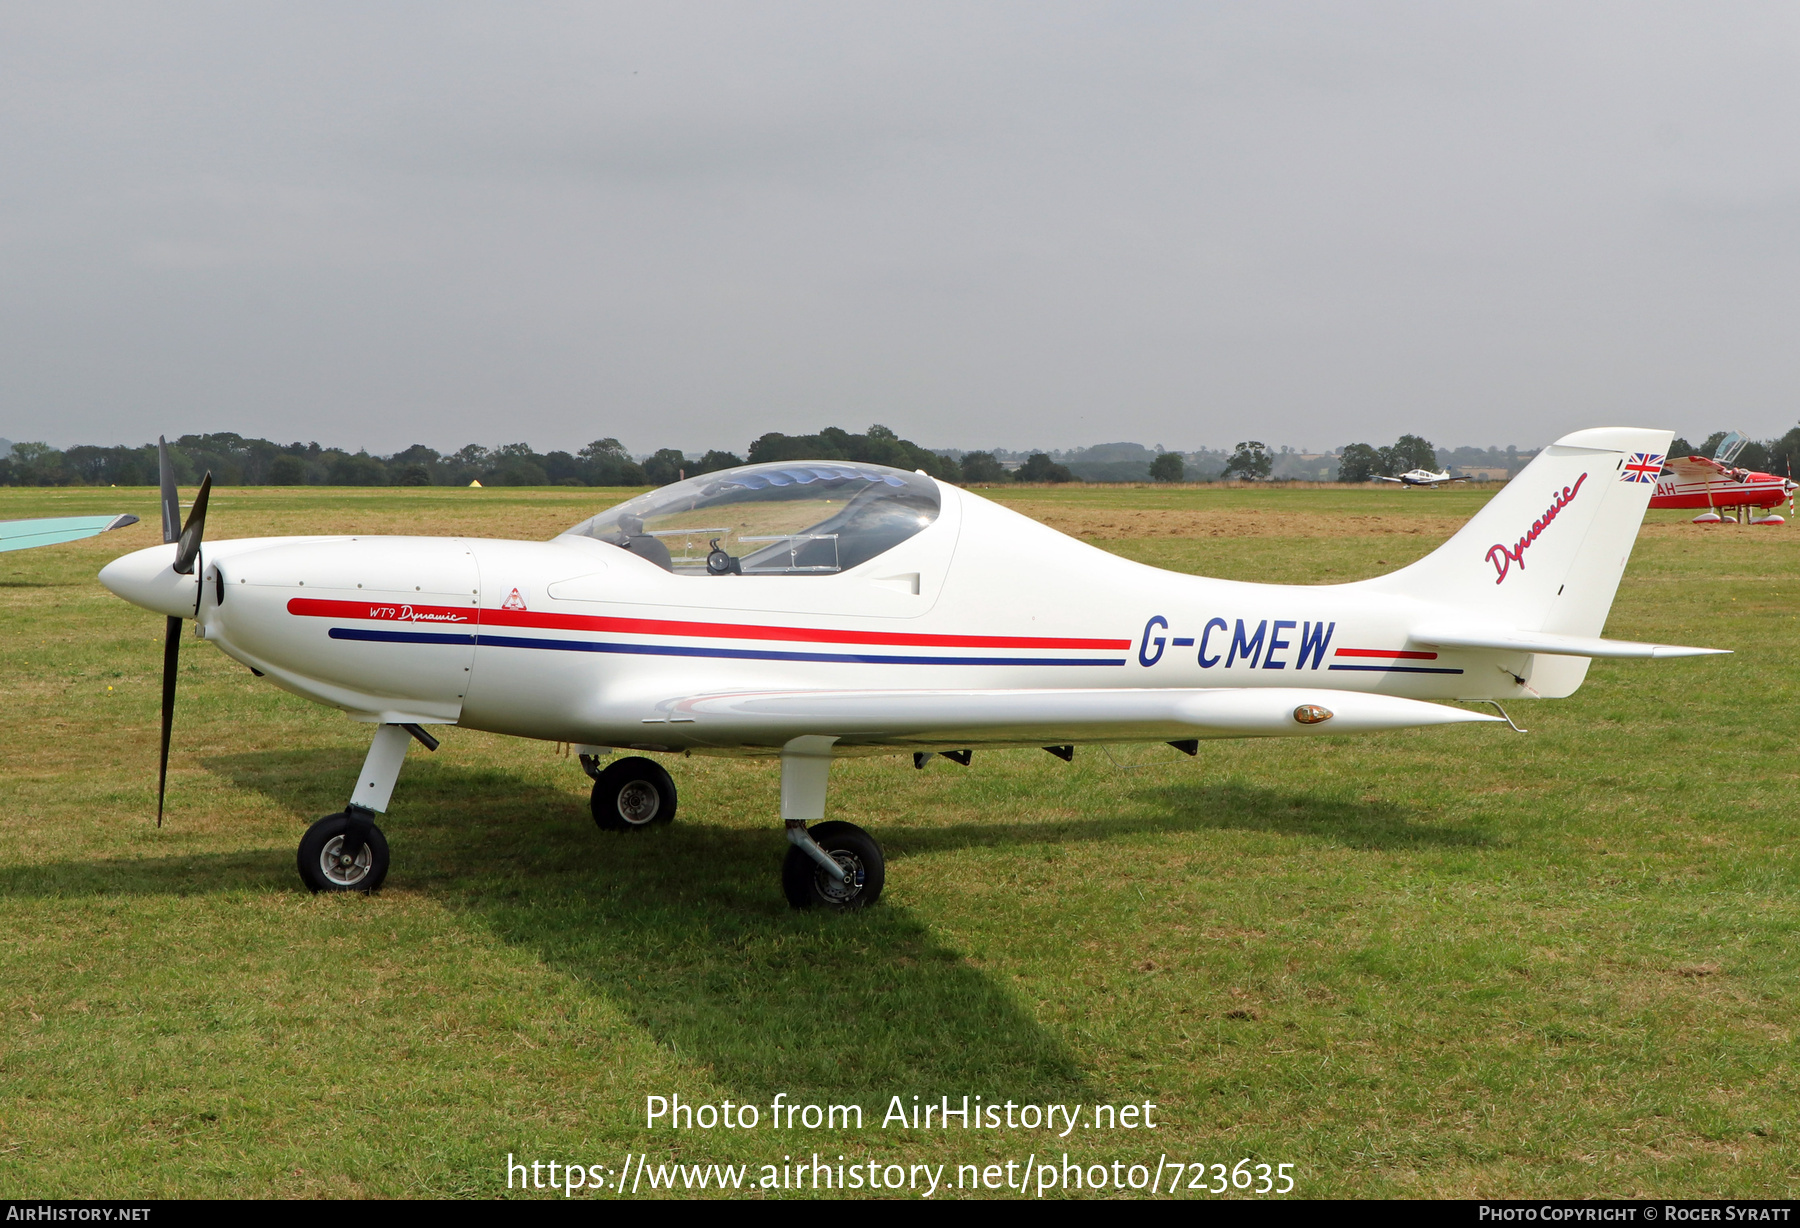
[[837, 865], [346, 851]]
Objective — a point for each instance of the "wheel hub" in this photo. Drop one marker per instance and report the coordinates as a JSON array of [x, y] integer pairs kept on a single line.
[[639, 803], [836, 892], [341, 869]]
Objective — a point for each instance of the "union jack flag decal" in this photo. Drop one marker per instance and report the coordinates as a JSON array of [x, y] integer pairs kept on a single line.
[[1641, 467]]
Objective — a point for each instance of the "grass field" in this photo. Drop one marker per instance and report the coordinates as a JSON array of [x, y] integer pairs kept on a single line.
[[1454, 962]]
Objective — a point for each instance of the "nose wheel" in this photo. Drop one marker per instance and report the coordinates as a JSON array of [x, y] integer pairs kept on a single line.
[[343, 852], [808, 884]]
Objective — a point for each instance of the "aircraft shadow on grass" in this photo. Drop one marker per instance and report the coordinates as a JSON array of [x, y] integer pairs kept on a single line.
[[1376, 825], [678, 927], [1168, 807]]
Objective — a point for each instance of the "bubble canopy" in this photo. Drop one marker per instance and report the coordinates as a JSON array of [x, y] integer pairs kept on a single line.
[[801, 518]]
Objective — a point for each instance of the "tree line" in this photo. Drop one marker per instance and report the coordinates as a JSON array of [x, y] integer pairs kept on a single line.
[[1360, 462], [234, 460], [1357, 462], [1253, 461]]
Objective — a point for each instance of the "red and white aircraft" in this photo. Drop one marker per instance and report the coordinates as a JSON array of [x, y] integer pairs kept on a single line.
[[813, 610], [1689, 482]]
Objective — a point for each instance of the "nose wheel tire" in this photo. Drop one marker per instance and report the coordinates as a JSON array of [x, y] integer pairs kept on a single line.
[[633, 793], [324, 866], [807, 885]]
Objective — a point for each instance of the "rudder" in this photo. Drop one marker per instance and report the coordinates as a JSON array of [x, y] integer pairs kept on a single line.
[[1547, 552]]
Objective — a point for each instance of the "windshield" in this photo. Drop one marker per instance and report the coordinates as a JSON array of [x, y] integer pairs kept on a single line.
[[804, 518]]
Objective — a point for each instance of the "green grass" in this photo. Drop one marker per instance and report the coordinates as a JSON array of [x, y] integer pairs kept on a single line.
[[1450, 962]]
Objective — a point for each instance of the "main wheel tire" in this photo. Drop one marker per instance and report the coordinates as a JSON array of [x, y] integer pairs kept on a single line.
[[806, 884], [633, 793], [321, 859]]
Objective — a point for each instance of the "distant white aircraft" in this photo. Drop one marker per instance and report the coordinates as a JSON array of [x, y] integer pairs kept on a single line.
[[814, 610], [1422, 477]]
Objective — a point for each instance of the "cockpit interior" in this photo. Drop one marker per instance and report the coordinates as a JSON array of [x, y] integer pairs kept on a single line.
[[807, 518]]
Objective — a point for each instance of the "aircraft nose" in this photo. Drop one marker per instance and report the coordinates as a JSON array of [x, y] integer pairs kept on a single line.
[[147, 578]]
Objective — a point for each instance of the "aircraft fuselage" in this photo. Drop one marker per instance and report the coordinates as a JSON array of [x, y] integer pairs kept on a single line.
[[576, 640]]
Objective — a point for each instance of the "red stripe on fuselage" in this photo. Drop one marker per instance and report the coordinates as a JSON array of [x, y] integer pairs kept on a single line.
[[1685, 498], [1385, 654], [435, 615]]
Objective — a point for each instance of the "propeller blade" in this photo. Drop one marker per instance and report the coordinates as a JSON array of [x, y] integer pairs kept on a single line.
[[189, 548], [171, 502], [171, 655]]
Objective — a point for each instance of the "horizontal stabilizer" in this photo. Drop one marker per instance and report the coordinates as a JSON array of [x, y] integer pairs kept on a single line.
[[1556, 645]]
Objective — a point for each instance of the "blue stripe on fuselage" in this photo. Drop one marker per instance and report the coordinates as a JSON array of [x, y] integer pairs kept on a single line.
[[682, 650]]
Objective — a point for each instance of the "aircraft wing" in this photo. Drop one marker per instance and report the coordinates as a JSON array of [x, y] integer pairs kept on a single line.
[[1380, 478], [961, 718], [1695, 468], [24, 534], [1554, 645]]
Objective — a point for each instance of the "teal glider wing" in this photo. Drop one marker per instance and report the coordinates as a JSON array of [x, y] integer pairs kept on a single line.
[[24, 534]]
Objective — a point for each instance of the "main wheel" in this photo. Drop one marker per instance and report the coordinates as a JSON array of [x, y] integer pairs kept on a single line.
[[806, 884], [323, 866], [633, 793]]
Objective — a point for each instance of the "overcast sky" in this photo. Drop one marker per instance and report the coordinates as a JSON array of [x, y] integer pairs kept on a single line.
[[1034, 224]]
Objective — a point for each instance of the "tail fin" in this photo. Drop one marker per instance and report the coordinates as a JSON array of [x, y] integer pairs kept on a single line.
[[1546, 553]]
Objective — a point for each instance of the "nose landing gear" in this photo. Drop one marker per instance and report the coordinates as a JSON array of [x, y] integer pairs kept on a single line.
[[344, 852]]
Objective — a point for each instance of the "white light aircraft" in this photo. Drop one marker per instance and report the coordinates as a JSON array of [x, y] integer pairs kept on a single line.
[[1421, 477], [813, 610]]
